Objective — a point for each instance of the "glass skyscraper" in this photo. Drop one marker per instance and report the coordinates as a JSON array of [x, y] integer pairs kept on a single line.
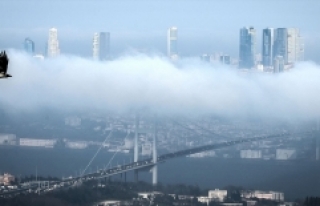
[[172, 44], [29, 46], [101, 45], [288, 44], [267, 47], [247, 48]]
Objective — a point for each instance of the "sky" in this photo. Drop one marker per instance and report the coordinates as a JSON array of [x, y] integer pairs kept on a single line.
[[204, 26]]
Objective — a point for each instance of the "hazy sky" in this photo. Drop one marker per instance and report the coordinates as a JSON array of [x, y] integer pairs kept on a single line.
[[204, 26]]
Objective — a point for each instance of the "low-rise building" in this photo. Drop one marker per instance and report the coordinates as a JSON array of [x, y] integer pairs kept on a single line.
[[268, 195], [286, 154], [28, 142], [76, 144], [217, 195], [251, 154], [8, 139], [6, 179]]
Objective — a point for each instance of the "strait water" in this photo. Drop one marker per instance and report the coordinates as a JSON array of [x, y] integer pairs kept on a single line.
[[297, 179]]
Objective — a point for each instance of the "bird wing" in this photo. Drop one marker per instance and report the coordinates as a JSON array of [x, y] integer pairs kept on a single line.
[[3, 62]]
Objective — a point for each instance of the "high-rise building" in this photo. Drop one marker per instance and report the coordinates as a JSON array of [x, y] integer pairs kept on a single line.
[[267, 47], [29, 46], [247, 47], [172, 44], [288, 44], [101, 45], [53, 43]]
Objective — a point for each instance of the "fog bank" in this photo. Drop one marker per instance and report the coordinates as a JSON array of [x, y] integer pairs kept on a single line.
[[153, 83]]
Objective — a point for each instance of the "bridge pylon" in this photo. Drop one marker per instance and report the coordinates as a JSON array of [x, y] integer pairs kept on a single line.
[[154, 155], [317, 140], [136, 146]]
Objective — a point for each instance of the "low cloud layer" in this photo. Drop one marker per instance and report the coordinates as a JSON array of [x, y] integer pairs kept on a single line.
[[153, 83]]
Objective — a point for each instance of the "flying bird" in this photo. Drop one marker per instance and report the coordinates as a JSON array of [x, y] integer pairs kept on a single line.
[[4, 65]]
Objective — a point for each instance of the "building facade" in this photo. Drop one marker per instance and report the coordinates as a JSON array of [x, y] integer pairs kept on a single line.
[[53, 43], [267, 47], [247, 48], [217, 195], [172, 42], [101, 46], [278, 65], [288, 44], [29, 46]]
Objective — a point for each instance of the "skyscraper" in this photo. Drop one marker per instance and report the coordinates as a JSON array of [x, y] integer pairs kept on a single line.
[[29, 46], [267, 47], [101, 45], [288, 44], [53, 43], [247, 47], [172, 45]]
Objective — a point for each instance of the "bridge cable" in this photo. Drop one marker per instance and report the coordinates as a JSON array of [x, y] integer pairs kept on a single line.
[[94, 156], [113, 156]]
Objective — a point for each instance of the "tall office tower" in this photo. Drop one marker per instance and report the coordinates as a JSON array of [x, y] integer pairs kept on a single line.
[[278, 65], [29, 46], [247, 47], [101, 45], [53, 43], [267, 47], [172, 45], [288, 43]]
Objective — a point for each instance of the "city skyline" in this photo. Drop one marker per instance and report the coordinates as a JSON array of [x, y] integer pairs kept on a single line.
[[196, 36]]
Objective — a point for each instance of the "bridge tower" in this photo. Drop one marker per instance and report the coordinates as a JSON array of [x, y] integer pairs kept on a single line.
[[135, 150], [154, 155], [317, 136]]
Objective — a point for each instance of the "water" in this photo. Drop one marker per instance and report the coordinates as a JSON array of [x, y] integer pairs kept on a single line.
[[295, 179]]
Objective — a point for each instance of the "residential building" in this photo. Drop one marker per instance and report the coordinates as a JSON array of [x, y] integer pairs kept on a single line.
[[47, 143], [6, 179], [251, 154], [268, 195], [217, 195]]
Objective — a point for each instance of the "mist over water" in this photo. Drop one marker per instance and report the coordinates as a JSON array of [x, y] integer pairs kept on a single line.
[[154, 83]]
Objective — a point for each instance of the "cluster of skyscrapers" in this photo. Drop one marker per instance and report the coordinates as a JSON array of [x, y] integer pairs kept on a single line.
[[101, 45], [281, 48]]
